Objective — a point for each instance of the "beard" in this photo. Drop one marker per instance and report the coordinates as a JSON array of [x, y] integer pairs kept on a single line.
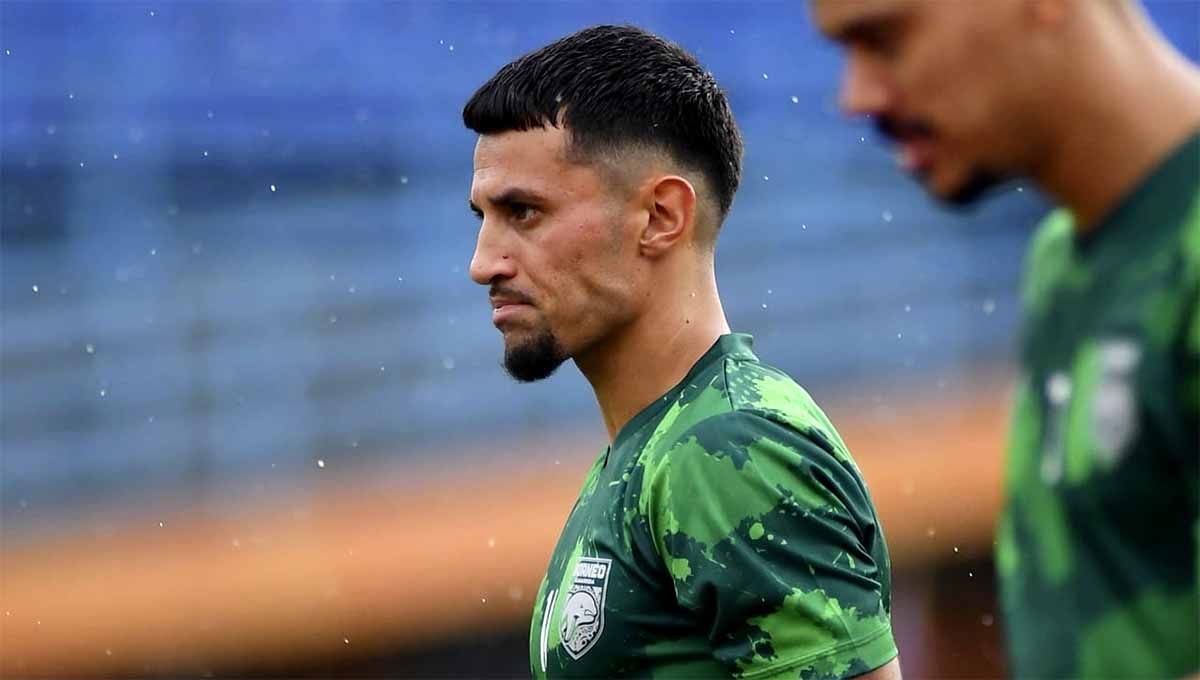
[[978, 184], [534, 358]]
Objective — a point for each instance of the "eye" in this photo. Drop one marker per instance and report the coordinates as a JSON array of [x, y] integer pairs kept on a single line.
[[521, 212], [887, 40]]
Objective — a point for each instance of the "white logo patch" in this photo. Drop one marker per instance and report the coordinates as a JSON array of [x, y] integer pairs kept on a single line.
[[1114, 411], [583, 608]]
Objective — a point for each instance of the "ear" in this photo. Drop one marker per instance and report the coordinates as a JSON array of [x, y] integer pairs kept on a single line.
[[671, 201]]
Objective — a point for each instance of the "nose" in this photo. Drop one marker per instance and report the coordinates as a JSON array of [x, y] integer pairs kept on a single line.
[[865, 90], [491, 260]]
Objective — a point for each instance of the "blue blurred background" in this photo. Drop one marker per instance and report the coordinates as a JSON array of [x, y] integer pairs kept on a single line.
[[233, 265]]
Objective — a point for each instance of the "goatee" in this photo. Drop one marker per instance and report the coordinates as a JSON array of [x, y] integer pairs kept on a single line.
[[535, 358]]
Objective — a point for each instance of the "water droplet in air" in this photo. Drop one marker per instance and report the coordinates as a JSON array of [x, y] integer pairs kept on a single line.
[[152, 13], [1020, 189], [352, 290], [931, 532], [764, 305], [154, 251], [908, 308], [205, 154], [956, 548], [104, 393], [160, 524], [404, 179], [887, 216], [346, 640], [987, 619], [448, 363], [272, 187], [209, 113], [989, 306], [804, 227], [81, 164], [452, 48], [765, 76], [795, 99], [108, 652], [35, 289], [766, 179], [116, 156], [320, 463], [491, 542]]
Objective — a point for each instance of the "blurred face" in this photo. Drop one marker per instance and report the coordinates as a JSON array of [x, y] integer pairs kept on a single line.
[[551, 250], [951, 82]]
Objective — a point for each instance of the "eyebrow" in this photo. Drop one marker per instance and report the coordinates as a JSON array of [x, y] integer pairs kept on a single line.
[[509, 197], [857, 29]]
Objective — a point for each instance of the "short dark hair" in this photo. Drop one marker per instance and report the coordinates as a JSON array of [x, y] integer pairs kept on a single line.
[[615, 87]]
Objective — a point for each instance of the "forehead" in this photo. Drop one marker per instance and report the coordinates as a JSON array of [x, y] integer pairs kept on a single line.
[[533, 159]]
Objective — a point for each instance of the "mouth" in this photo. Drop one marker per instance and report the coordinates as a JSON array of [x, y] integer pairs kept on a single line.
[[507, 305], [915, 155], [504, 312], [914, 142]]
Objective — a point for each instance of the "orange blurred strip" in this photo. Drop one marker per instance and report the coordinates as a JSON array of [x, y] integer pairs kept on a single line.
[[358, 573]]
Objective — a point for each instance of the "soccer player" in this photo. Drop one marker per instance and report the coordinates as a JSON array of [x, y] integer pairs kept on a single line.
[[725, 531], [1097, 548]]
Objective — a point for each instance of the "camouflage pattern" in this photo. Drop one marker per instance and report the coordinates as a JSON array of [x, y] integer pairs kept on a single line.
[[726, 532], [1098, 544]]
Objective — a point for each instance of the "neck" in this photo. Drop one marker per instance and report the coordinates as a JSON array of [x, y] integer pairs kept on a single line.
[[637, 365], [1128, 105]]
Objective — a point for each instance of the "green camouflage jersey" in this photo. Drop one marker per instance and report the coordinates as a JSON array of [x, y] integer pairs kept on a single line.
[[726, 532], [1097, 549]]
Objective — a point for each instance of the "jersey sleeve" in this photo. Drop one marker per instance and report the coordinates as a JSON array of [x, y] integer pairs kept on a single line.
[[771, 542]]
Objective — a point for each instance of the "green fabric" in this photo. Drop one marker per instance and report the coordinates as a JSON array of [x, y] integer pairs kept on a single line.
[[726, 532], [1097, 546]]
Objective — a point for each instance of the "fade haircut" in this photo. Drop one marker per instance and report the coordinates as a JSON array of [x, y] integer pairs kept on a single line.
[[618, 89]]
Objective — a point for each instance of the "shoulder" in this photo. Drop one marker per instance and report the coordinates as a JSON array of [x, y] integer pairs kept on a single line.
[[1048, 254], [742, 402], [769, 398], [1191, 238], [744, 460]]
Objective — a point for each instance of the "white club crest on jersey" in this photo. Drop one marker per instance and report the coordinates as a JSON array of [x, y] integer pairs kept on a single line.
[[1058, 396], [1114, 407], [582, 620]]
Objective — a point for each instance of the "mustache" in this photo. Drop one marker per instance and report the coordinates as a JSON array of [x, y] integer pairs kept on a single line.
[[496, 291], [896, 129]]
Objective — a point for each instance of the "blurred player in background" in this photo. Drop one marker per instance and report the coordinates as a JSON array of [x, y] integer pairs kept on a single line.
[[1097, 548], [725, 530]]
